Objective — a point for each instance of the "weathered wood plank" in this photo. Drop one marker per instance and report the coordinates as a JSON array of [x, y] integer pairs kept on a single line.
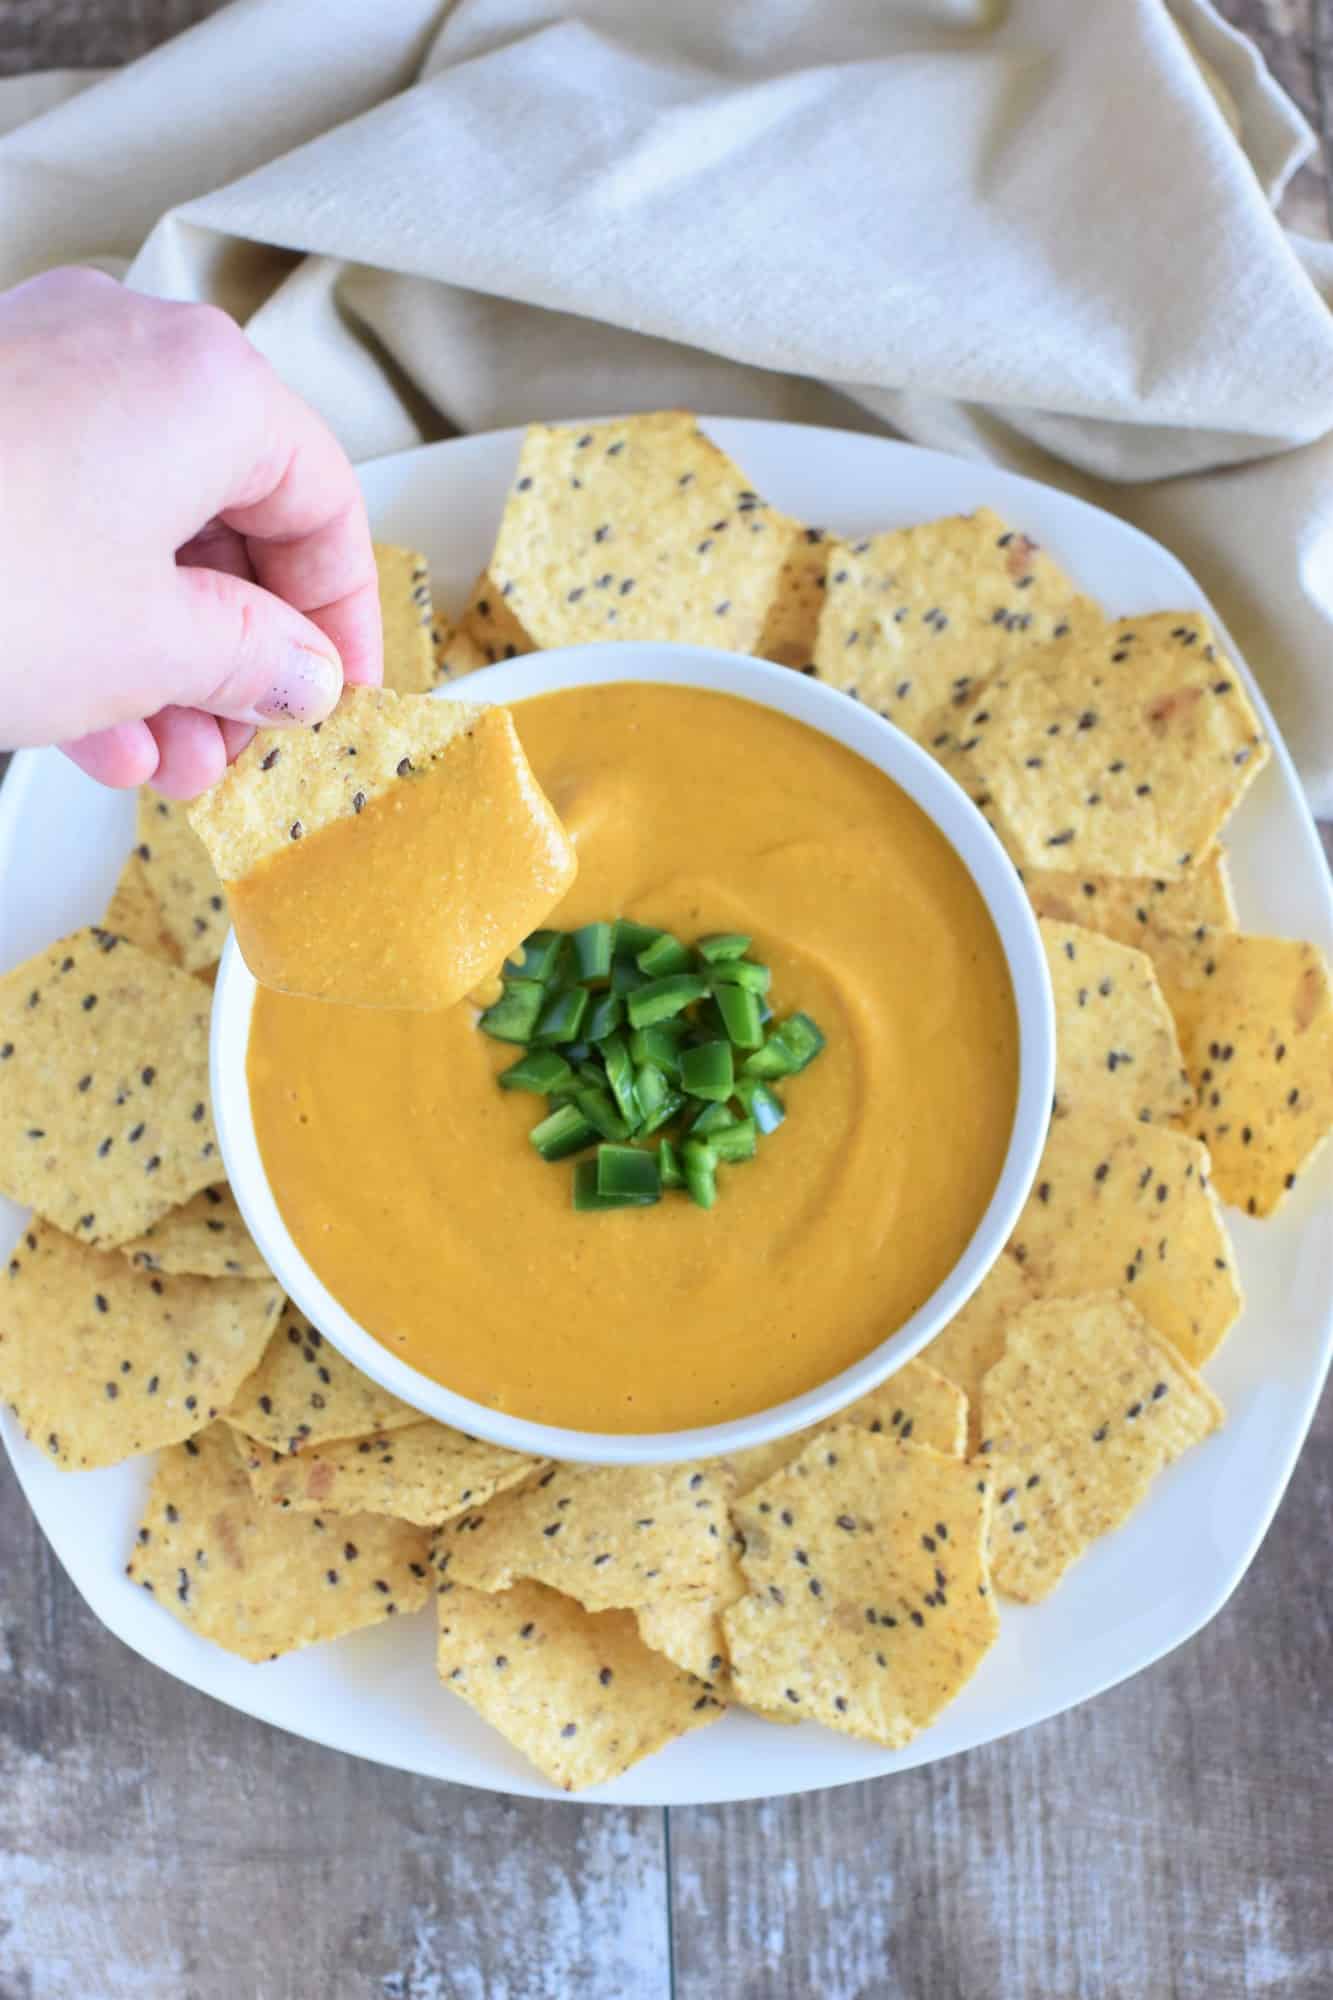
[[156, 1846], [1167, 1841], [1286, 33]]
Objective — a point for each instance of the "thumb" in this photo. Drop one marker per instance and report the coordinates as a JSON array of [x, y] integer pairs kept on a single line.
[[231, 648]]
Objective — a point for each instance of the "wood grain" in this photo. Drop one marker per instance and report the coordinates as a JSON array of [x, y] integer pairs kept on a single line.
[[1167, 1842]]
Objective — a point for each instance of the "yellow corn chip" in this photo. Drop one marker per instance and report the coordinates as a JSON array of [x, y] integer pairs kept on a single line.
[[1120, 753], [688, 1630], [576, 1691], [1078, 1418], [639, 529], [135, 913], [613, 1536], [407, 614], [256, 1579], [439, 787], [178, 871], [1256, 1025], [869, 1604], [974, 1338], [918, 618], [486, 632], [205, 1236], [1116, 1047], [793, 617], [425, 1473], [1129, 1206], [100, 1361], [104, 1114], [916, 1403], [303, 1393], [1123, 906]]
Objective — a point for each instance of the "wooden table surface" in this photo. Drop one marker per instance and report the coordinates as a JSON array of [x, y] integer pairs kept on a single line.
[[1170, 1839]]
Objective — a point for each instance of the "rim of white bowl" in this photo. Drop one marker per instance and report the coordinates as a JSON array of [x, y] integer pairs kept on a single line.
[[859, 729]]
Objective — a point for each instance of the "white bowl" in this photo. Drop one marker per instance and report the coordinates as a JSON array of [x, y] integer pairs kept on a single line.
[[858, 729]]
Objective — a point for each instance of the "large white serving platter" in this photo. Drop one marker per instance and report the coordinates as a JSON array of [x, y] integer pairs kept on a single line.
[[1140, 1592]]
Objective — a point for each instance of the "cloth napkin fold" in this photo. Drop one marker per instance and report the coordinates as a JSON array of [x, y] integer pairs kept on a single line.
[[1036, 233]]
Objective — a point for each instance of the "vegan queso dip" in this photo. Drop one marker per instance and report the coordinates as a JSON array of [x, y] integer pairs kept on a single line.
[[407, 1179]]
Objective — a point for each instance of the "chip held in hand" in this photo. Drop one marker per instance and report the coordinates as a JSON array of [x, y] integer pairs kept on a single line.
[[390, 856]]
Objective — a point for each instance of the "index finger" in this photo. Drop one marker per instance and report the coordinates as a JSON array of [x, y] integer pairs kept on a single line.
[[300, 510]]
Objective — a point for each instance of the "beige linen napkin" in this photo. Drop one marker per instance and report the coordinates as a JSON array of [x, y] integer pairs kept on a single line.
[[1035, 232]]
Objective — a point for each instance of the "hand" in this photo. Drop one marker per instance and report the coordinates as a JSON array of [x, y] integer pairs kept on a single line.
[[184, 551]]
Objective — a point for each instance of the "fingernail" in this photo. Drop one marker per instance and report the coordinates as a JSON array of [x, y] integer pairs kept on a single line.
[[305, 689]]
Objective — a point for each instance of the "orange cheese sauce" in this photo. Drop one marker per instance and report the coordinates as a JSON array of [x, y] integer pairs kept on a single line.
[[406, 1177]]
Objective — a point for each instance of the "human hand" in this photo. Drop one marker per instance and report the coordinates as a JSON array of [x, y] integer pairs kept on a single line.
[[184, 552]]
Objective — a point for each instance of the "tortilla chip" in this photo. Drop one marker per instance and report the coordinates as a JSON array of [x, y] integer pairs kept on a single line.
[[1123, 906], [920, 617], [135, 913], [916, 1402], [688, 1630], [1116, 1047], [179, 873], [303, 1393], [1256, 1025], [424, 1472], [612, 1536], [1078, 1418], [259, 1581], [792, 623], [577, 1692], [638, 529], [974, 1338], [1120, 753], [99, 1361], [1130, 1206], [104, 1111], [407, 614], [869, 1605], [486, 632], [289, 891], [205, 1237]]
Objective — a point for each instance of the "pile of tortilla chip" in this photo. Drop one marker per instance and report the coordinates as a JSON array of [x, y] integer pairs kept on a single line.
[[848, 1575]]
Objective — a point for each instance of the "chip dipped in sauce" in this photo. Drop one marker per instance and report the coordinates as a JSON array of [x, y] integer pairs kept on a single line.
[[407, 1179]]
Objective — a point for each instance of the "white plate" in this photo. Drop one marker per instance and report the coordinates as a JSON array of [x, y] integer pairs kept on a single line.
[[1136, 1595]]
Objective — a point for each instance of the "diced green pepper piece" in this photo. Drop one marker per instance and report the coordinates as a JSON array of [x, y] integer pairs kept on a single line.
[[540, 1070], [760, 1102], [734, 1142], [632, 938], [665, 954], [651, 1090], [659, 999], [628, 1171], [562, 1132], [620, 1076], [712, 1118], [592, 950], [700, 1166], [587, 1196], [670, 1107], [562, 1016], [537, 957], [740, 1016], [659, 1046], [514, 1015], [741, 972], [708, 1071], [716, 950], [792, 1044], [604, 1016], [578, 1052], [626, 977], [668, 1166], [600, 1112]]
